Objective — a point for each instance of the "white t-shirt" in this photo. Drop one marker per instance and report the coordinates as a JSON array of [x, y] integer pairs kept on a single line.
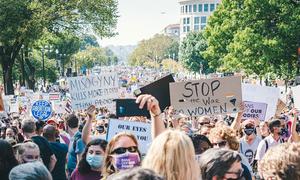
[[249, 150], [261, 150]]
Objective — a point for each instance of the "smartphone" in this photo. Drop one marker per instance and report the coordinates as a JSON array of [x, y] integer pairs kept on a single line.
[[128, 107]]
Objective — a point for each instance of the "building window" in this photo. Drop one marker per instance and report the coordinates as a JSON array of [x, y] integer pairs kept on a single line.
[[186, 24], [195, 8], [196, 23], [199, 7], [186, 8], [190, 8], [212, 7], [203, 22], [205, 7]]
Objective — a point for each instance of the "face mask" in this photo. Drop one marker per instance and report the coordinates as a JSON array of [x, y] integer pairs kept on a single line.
[[248, 131], [127, 161], [283, 132], [95, 161]]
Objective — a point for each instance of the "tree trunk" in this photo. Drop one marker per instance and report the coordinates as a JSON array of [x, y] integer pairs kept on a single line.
[[22, 67], [30, 78], [7, 77]]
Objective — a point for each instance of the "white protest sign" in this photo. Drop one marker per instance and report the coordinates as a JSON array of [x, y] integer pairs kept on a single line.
[[59, 107], [207, 96], [142, 132], [262, 94], [98, 90], [296, 95], [255, 110]]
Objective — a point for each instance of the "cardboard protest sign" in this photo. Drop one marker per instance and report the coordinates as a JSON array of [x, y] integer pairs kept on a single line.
[[142, 132], [280, 107], [255, 110], [41, 110], [296, 95], [207, 96], [98, 90], [262, 94]]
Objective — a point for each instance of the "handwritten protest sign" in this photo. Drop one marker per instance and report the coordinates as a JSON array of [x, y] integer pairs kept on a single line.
[[255, 110], [262, 94], [296, 94], [41, 110], [142, 132], [98, 90], [207, 96]]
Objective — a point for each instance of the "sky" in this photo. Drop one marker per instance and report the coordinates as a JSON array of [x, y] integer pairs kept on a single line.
[[141, 19]]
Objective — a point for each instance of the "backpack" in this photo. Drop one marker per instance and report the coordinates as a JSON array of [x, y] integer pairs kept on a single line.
[[76, 138]]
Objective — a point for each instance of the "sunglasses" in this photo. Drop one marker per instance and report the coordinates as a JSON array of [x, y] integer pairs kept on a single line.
[[204, 123], [122, 150], [220, 144]]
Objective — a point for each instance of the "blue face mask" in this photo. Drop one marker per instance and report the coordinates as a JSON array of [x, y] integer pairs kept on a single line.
[[95, 161]]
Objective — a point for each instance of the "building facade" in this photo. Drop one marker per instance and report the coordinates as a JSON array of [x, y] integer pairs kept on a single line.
[[172, 30], [194, 14]]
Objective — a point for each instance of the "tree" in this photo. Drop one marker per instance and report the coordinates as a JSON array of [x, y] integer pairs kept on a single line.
[[190, 53], [257, 37], [172, 65], [91, 56], [155, 50], [23, 22]]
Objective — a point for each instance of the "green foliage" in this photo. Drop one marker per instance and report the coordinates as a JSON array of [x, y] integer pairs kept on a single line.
[[191, 50], [154, 50], [92, 56], [257, 37], [172, 65]]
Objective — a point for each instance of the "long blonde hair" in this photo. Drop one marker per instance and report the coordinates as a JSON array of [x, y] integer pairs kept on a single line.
[[108, 168], [172, 155]]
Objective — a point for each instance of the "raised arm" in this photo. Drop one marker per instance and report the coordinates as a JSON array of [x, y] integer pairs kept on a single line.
[[86, 131], [236, 124], [157, 125], [295, 136]]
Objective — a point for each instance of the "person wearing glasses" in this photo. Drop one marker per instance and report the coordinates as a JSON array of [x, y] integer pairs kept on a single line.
[[122, 153], [222, 164], [224, 137]]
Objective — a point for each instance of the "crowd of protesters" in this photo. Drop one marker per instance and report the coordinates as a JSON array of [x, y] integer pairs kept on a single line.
[[74, 147]]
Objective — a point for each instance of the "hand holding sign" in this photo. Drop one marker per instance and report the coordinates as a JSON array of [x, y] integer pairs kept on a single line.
[[152, 104]]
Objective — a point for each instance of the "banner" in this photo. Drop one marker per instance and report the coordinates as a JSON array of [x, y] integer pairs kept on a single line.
[[262, 94], [255, 110], [207, 96], [296, 95], [142, 132], [98, 90], [54, 96]]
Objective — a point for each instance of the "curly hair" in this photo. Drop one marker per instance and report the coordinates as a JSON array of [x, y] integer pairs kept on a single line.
[[281, 162], [225, 133]]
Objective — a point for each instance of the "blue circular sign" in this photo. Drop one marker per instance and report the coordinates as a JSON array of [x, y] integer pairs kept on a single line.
[[41, 109]]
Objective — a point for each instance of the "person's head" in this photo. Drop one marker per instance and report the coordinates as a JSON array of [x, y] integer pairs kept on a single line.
[[16, 123], [248, 127], [28, 126], [201, 143], [7, 157], [53, 122], [275, 126], [223, 136], [281, 162], [204, 120], [220, 164], [39, 127], [72, 121], [93, 156], [49, 132], [28, 152], [205, 130], [137, 173], [11, 133], [122, 153], [30, 171], [172, 156], [264, 129]]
